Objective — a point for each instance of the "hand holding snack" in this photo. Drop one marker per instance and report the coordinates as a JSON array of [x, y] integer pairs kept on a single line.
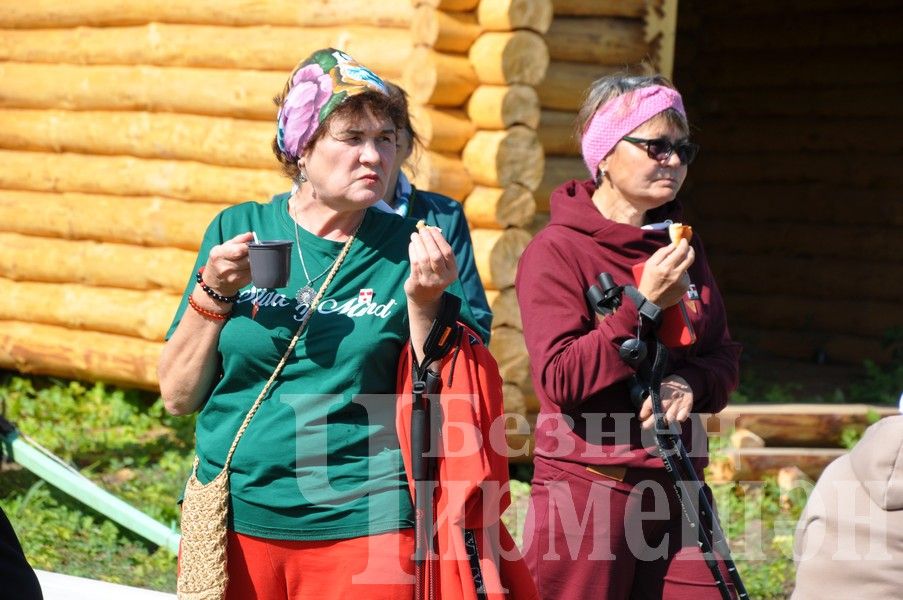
[[679, 231], [665, 278]]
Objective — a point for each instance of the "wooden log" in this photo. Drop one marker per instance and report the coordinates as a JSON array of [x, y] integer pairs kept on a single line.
[[599, 41], [505, 309], [449, 5], [500, 107], [498, 208], [754, 464], [824, 346], [793, 202], [117, 175], [212, 140], [503, 58], [496, 253], [600, 8], [142, 314], [217, 92], [807, 277], [857, 102], [444, 31], [817, 240], [86, 355], [790, 479], [508, 15], [744, 438], [513, 399], [783, 311], [501, 158], [27, 258], [52, 13], [519, 433], [566, 84], [441, 130], [796, 31], [138, 220], [444, 174], [539, 221], [510, 351], [557, 134], [660, 33], [558, 169], [382, 49], [439, 79], [776, 8]]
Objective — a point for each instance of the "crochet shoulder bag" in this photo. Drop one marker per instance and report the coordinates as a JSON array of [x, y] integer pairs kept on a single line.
[[203, 573]]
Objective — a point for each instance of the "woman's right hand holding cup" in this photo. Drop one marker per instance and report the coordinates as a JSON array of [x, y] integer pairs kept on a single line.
[[228, 268], [665, 279]]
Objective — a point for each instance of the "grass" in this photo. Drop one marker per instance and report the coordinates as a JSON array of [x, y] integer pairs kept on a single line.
[[124, 442]]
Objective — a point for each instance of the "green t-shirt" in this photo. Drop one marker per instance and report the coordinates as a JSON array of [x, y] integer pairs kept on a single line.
[[320, 459]]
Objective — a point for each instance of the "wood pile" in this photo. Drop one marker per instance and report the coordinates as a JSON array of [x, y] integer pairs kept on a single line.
[[786, 441]]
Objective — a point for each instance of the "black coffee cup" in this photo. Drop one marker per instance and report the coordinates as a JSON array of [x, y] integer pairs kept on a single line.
[[270, 263]]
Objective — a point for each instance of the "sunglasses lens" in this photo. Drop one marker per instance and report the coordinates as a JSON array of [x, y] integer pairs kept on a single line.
[[660, 149], [686, 152]]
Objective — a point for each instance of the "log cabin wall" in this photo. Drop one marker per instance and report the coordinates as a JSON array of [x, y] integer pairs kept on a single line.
[[796, 191], [124, 128]]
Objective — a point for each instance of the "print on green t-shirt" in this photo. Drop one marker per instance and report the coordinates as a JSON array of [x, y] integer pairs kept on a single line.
[[320, 459]]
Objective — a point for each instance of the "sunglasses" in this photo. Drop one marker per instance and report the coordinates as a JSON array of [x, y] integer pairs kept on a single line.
[[661, 149]]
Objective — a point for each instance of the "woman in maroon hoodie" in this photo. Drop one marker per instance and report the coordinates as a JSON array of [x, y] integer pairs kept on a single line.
[[604, 521]]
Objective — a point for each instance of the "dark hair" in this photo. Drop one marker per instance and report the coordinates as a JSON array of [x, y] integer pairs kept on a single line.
[[381, 105], [400, 96]]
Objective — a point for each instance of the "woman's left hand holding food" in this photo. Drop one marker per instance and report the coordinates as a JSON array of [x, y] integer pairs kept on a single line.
[[433, 269]]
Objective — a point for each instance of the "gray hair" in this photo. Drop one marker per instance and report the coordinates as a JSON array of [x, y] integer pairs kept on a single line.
[[610, 86]]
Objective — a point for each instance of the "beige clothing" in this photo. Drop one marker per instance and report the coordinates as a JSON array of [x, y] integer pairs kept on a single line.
[[849, 539]]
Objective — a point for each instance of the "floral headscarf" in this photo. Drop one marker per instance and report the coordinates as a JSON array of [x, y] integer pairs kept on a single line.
[[319, 84]]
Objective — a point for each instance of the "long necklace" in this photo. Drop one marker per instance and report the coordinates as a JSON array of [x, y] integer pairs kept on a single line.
[[306, 293]]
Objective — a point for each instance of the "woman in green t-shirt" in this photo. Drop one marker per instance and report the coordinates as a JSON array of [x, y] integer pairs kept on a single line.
[[319, 504]]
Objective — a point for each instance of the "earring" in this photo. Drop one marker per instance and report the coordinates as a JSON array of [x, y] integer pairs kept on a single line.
[[600, 176], [302, 176]]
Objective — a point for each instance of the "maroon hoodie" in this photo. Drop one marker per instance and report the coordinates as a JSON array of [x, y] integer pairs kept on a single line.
[[586, 415]]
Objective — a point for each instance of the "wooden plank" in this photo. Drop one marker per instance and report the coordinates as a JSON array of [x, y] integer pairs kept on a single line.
[[506, 157], [846, 278], [557, 133], [498, 208], [558, 169], [496, 253], [728, 133], [217, 92], [794, 31], [828, 347], [509, 57], [132, 313], [118, 175], [766, 68], [803, 240], [137, 220], [211, 140], [444, 31], [566, 83], [793, 203], [872, 318], [102, 13], [797, 425], [508, 15], [85, 355], [47, 260], [833, 168], [870, 101], [268, 47], [755, 464], [600, 8], [598, 41]]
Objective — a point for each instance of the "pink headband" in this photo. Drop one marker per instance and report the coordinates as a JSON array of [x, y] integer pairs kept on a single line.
[[621, 115]]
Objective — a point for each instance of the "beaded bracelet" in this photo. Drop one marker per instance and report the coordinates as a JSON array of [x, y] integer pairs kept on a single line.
[[206, 313], [210, 292]]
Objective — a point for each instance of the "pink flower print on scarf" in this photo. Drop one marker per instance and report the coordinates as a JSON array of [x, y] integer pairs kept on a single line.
[[299, 115]]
